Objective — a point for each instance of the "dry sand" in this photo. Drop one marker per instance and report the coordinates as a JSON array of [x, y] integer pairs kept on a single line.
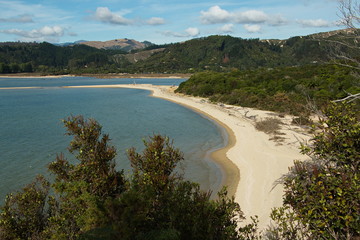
[[251, 162]]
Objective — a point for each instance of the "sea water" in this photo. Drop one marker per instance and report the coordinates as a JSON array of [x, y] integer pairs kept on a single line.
[[32, 133]]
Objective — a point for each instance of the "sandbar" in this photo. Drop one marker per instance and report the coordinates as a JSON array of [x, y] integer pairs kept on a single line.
[[95, 75]]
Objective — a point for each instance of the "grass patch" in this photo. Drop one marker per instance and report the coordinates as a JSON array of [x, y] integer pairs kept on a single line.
[[269, 125], [302, 120]]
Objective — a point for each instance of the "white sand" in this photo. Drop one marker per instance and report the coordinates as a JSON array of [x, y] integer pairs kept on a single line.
[[261, 161]]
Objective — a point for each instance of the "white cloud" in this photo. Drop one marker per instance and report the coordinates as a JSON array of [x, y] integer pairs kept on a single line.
[[47, 33], [277, 20], [252, 28], [215, 15], [55, 31], [189, 32], [192, 32], [251, 16], [227, 28], [155, 21], [104, 15], [25, 18], [314, 23]]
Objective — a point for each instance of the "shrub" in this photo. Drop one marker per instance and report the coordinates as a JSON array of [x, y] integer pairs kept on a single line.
[[269, 125]]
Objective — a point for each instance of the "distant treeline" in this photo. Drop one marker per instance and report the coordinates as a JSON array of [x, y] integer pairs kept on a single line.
[[215, 53], [48, 58], [284, 89]]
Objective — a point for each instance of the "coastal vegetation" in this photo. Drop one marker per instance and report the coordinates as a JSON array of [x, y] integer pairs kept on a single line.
[[321, 195], [288, 89], [89, 198]]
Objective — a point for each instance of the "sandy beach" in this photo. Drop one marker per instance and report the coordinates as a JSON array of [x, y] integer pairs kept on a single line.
[[251, 162], [104, 75]]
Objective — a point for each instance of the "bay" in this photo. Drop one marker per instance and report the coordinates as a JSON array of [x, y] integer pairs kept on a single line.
[[32, 133]]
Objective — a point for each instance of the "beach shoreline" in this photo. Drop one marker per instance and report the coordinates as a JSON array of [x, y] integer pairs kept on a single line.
[[107, 75], [254, 162], [230, 172], [251, 161]]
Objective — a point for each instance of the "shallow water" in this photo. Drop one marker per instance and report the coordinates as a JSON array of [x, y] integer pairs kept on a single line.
[[32, 133]]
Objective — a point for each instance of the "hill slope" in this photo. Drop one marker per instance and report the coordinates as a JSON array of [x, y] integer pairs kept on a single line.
[[221, 53], [119, 44], [216, 53]]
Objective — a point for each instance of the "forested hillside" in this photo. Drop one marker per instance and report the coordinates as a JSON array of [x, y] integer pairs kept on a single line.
[[48, 58], [216, 53], [221, 53]]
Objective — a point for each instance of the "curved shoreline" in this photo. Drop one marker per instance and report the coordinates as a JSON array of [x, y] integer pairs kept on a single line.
[[230, 172], [260, 160]]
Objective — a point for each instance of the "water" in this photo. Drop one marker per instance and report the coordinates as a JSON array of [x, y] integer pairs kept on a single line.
[[32, 133], [71, 81]]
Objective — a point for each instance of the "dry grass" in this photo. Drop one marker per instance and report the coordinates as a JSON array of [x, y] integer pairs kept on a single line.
[[269, 125]]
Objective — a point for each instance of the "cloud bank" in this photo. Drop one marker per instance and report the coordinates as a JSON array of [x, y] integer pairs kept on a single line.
[[217, 15], [252, 28], [315, 23], [103, 14], [54, 31], [227, 28], [189, 32], [155, 21], [46, 33]]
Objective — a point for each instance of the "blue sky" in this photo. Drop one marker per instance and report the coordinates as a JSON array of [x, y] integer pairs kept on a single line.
[[163, 21]]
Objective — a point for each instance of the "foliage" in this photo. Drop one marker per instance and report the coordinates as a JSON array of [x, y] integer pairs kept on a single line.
[[84, 188], [157, 163], [24, 214], [324, 192], [48, 58], [94, 201], [216, 53], [286, 226], [269, 125], [287, 89], [222, 53], [168, 207]]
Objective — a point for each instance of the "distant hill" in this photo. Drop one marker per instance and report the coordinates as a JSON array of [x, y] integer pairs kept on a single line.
[[69, 43], [138, 56], [216, 53], [118, 44], [222, 53]]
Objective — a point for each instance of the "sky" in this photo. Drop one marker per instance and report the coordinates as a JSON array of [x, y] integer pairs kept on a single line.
[[59, 21]]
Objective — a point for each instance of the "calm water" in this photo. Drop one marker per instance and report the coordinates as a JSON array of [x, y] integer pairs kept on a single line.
[[32, 133]]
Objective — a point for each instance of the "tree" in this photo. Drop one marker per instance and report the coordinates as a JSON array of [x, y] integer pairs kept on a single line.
[[160, 204], [350, 13], [94, 201], [24, 214], [322, 195], [156, 165], [345, 47], [85, 187]]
